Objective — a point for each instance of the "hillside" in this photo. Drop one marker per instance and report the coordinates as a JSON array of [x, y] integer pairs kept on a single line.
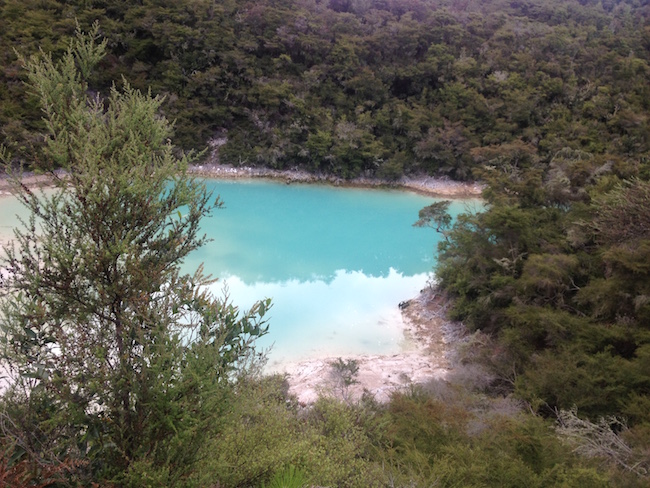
[[544, 103], [355, 87]]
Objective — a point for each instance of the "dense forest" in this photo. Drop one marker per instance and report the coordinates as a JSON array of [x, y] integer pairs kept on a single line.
[[545, 102], [363, 86]]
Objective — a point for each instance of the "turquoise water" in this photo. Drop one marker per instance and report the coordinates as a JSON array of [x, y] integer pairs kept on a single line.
[[10, 209], [335, 261]]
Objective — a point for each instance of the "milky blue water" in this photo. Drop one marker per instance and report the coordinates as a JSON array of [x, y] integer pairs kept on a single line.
[[335, 261]]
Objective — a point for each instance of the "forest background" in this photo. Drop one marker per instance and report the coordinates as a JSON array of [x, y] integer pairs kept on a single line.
[[544, 101], [350, 87]]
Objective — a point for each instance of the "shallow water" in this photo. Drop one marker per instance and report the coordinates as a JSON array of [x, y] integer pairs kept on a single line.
[[335, 261], [10, 209]]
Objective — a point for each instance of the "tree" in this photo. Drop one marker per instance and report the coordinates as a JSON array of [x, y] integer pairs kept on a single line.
[[436, 216], [116, 357]]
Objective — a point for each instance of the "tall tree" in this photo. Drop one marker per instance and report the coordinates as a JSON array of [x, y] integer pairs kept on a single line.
[[116, 357]]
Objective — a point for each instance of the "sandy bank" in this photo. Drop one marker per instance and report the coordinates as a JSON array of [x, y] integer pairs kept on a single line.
[[30, 180], [431, 335], [427, 185]]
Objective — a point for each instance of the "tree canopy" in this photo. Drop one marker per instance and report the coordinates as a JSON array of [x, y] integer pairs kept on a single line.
[[118, 363], [365, 87], [559, 281]]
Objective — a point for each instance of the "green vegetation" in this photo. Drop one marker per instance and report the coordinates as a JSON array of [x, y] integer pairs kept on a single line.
[[126, 373], [349, 87], [561, 283], [121, 367], [553, 276]]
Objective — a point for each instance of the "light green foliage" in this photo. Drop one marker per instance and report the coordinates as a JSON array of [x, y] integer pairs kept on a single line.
[[328, 444], [444, 444], [262, 435], [117, 360], [343, 436], [290, 477], [415, 440]]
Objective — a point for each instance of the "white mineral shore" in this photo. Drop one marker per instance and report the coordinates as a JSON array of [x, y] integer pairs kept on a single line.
[[428, 185], [441, 187], [427, 328]]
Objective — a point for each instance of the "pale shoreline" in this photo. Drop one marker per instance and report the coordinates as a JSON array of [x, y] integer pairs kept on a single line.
[[428, 359], [426, 185], [425, 325], [29, 179]]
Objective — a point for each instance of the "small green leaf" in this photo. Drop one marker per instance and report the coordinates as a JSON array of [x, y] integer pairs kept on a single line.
[[30, 333]]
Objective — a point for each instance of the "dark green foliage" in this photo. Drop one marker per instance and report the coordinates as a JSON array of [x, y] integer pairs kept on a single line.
[[367, 87], [556, 271], [346, 370], [118, 364], [436, 217]]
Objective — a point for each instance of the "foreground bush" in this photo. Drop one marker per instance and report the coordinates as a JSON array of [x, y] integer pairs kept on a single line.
[[119, 366]]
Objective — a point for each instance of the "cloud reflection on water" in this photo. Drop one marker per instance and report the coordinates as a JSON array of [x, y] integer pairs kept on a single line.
[[349, 314]]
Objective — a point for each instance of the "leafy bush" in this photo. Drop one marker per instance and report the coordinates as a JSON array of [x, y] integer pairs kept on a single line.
[[118, 364], [266, 432], [289, 477]]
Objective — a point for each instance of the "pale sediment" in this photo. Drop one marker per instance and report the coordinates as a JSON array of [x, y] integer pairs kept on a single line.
[[431, 335], [427, 185], [30, 180]]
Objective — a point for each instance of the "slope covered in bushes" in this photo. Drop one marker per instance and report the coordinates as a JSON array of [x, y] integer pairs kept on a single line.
[[361, 86]]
